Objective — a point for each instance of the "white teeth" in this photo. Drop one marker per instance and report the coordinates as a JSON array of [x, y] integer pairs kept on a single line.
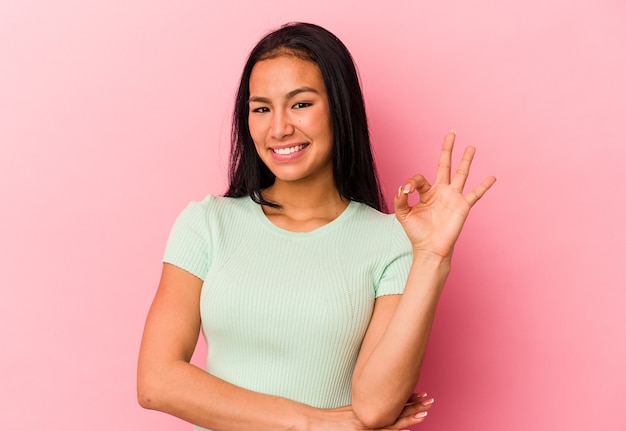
[[290, 150]]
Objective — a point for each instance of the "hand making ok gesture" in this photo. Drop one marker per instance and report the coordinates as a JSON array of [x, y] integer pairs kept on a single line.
[[434, 223]]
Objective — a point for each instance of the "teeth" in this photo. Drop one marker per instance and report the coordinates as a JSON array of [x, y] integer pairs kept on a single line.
[[291, 150]]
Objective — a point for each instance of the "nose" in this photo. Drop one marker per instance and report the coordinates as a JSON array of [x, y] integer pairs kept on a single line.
[[281, 125]]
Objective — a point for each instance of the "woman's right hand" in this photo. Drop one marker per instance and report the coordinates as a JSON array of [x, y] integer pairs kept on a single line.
[[344, 419]]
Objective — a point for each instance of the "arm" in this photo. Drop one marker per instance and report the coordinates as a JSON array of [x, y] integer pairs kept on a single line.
[[390, 360], [166, 381]]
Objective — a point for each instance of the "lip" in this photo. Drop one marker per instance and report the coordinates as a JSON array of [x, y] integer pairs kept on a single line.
[[288, 156]]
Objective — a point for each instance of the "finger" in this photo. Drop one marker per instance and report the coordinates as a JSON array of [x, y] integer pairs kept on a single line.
[[413, 399], [460, 176], [415, 411], [408, 421], [423, 405], [426, 404], [401, 200], [445, 159], [473, 196], [416, 183]]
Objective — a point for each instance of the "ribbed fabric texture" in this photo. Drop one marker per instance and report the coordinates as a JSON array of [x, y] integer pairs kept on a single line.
[[284, 313]]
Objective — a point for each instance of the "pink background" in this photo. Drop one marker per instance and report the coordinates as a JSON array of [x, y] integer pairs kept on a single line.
[[115, 114]]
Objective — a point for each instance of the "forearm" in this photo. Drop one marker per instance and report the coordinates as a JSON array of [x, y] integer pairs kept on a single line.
[[386, 379], [186, 391]]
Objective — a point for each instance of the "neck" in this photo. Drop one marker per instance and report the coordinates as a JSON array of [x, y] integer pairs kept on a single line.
[[311, 193], [303, 207]]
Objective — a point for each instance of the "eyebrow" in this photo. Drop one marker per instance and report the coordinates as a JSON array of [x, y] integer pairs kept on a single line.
[[289, 95]]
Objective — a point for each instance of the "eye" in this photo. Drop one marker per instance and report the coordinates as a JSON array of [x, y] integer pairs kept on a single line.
[[261, 109], [301, 105]]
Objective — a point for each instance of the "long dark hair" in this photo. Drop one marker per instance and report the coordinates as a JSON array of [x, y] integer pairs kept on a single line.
[[354, 171]]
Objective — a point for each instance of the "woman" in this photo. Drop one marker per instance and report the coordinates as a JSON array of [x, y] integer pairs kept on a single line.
[[316, 306]]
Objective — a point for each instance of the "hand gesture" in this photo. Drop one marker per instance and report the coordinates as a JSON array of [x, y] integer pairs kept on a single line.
[[434, 223], [343, 418]]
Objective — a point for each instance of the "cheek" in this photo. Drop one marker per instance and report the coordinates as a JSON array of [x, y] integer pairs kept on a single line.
[[259, 147], [258, 140], [255, 131], [326, 129], [326, 124]]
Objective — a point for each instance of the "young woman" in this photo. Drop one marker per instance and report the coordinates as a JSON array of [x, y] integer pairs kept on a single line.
[[316, 306]]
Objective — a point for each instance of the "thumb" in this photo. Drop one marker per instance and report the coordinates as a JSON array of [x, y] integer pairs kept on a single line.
[[401, 201]]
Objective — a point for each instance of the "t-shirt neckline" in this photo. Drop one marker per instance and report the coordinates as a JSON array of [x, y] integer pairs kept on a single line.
[[332, 225]]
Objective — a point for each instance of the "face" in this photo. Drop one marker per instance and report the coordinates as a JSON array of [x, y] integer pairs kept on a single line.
[[289, 119]]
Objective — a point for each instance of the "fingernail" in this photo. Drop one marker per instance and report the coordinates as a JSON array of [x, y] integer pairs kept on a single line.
[[453, 131], [421, 415], [407, 189], [399, 191], [428, 401]]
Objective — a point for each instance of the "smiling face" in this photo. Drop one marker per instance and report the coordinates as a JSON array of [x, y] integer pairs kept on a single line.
[[289, 119]]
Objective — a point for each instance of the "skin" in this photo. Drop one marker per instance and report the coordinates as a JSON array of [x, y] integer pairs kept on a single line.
[[387, 370], [390, 360], [289, 109]]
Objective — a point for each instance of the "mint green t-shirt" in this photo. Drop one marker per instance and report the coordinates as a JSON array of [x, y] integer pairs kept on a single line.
[[284, 313]]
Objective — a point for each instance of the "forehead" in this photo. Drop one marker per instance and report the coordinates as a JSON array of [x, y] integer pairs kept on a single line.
[[283, 74]]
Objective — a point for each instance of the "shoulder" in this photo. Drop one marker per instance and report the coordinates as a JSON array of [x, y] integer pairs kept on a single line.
[[211, 201], [379, 228], [368, 216], [366, 212], [212, 206], [209, 216], [201, 228]]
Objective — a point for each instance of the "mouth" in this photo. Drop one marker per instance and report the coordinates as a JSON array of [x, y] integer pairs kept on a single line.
[[288, 150]]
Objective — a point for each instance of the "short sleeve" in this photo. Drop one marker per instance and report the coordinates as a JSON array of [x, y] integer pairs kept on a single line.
[[400, 257], [188, 246]]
